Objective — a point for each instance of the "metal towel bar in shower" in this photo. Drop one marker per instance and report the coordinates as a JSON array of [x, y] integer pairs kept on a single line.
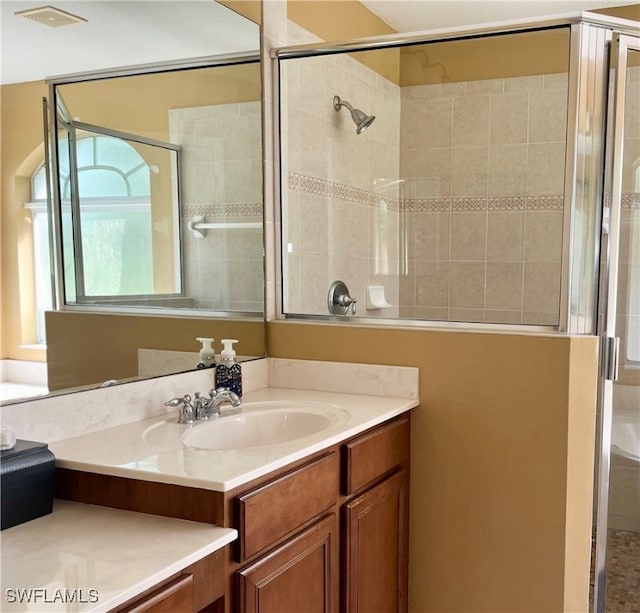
[[198, 226]]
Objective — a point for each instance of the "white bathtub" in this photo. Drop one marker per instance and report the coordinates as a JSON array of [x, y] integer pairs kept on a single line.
[[625, 433]]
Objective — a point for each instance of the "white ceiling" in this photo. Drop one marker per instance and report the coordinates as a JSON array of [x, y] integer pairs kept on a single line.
[[417, 15], [117, 33], [128, 32]]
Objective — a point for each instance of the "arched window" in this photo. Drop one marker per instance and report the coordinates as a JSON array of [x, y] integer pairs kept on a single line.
[[115, 191], [107, 166]]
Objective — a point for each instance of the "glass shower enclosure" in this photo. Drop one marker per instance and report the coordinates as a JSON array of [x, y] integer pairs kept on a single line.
[[491, 189]]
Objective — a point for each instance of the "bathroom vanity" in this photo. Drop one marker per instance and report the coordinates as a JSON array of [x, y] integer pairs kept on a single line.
[[322, 520], [308, 485]]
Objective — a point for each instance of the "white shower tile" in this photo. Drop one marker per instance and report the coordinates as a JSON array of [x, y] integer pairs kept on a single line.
[[545, 171], [524, 84], [543, 236], [556, 82], [507, 170], [541, 286], [509, 118], [470, 168], [505, 235], [471, 121], [504, 286], [547, 117], [486, 86]]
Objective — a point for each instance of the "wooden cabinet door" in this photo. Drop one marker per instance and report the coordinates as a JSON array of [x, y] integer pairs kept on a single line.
[[376, 548], [300, 576]]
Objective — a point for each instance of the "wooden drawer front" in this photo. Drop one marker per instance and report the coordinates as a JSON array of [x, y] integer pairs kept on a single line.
[[174, 597], [276, 509], [374, 454]]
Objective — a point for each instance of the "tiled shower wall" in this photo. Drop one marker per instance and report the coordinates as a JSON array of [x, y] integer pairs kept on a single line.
[[452, 199], [341, 208], [483, 163], [222, 181]]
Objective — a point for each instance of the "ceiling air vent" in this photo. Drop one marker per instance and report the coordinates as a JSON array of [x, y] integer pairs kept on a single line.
[[50, 16]]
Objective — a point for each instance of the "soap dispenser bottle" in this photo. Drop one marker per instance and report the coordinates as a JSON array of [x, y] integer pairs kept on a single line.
[[207, 353], [228, 371]]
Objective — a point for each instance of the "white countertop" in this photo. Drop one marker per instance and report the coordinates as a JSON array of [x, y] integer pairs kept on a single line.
[[130, 451], [102, 556]]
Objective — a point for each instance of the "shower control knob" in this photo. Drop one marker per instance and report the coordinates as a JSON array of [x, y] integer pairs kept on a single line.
[[339, 300]]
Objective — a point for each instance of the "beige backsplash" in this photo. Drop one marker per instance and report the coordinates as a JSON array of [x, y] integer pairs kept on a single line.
[[58, 417]]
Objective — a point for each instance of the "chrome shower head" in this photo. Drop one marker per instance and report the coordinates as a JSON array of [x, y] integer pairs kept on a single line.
[[361, 119]]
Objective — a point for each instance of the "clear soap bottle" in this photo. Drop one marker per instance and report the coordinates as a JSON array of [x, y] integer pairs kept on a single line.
[[228, 371], [207, 353]]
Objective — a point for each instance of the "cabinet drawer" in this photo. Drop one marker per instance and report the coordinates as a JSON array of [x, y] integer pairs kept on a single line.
[[170, 598], [271, 511], [374, 454]]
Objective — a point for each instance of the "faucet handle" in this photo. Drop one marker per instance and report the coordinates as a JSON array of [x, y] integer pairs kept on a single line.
[[186, 412], [176, 402], [200, 407]]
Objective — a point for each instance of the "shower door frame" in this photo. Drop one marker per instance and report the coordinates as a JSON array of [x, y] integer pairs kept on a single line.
[[623, 44], [584, 160]]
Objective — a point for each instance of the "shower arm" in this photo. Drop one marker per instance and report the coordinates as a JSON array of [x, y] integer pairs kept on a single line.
[[339, 102]]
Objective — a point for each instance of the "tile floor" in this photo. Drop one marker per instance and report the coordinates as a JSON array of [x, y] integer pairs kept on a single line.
[[623, 572]]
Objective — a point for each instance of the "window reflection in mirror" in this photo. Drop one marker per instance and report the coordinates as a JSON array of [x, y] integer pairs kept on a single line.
[[160, 183]]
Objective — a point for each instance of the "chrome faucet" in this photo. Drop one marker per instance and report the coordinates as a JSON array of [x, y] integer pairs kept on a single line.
[[203, 409], [220, 396]]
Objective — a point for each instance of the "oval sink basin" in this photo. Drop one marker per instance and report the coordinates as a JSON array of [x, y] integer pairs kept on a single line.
[[164, 434], [261, 427]]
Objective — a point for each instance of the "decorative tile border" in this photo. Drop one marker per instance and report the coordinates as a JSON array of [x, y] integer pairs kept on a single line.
[[427, 205], [513, 203], [223, 210], [371, 198], [340, 191], [631, 201], [469, 204]]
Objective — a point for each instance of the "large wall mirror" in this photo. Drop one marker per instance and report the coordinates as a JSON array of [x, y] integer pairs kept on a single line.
[[155, 197], [159, 186]]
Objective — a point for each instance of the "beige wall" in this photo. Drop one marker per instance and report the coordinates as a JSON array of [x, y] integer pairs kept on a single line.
[[98, 347], [251, 9], [22, 151], [346, 20], [499, 57], [502, 460]]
